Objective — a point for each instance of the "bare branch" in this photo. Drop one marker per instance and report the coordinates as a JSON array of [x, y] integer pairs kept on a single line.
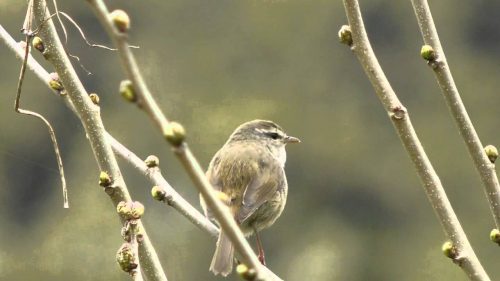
[[89, 115], [457, 108], [181, 149], [172, 198], [465, 256]]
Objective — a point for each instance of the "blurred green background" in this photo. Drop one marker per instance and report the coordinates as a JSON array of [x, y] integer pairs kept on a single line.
[[356, 209]]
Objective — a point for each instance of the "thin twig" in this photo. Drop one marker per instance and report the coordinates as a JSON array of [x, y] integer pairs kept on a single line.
[[85, 38], [29, 37], [54, 2], [89, 115], [83, 34], [457, 109], [183, 153], [361, 47]]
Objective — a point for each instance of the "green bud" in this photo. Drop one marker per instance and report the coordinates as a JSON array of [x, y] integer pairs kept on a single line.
[[449, 250], [428, 53], [345, 35], [37, 43], [54, 82], [158, 193], [121, 20], [104, 179], [152, 161], [130, 210], [126, 258], [124, 208], [174, 133], [245, 272], [94, 98], [495, 236], [492, 152], [127, 91], [137, 210]]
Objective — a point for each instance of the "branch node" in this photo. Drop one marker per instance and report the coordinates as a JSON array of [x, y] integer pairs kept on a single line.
[[398, 112]]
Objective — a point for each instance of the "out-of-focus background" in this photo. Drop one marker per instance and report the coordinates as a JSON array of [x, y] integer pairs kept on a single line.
[[356, 209]]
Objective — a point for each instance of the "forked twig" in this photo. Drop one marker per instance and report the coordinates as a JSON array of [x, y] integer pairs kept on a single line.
[[29, 37], [83, 34], [85, 38]]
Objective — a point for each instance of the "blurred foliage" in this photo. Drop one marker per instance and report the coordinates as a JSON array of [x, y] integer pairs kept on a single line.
[[356, 210]]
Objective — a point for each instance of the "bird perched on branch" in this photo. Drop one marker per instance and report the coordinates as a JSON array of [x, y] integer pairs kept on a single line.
[[248, 171]]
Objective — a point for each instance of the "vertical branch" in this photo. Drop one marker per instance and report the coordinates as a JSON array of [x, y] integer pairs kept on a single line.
[[457, 109], [89, 115], [356, 37]]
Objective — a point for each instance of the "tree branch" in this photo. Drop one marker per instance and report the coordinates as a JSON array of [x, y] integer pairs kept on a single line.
[[457, 109], [181, 150], [361, 47], [89, 115], [172, 198]]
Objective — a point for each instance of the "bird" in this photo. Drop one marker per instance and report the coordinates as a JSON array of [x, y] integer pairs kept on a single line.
[[248, 173]]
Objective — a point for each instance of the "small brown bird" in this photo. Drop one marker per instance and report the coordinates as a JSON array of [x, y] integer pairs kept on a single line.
[[249, 170]]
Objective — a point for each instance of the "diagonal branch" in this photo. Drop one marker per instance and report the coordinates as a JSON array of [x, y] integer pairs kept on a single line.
[[180, 148], [457, 109], [173, 199], [89, 115], [360, 45]]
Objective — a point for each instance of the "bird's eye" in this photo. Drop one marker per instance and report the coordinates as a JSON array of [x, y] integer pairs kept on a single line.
[[273, 135]]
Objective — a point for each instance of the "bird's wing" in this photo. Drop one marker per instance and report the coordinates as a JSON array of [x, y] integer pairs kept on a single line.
[[261, 188], [213, 172], [212, 175]]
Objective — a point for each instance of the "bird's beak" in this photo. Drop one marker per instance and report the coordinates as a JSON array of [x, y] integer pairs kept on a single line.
[[290, 139]]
